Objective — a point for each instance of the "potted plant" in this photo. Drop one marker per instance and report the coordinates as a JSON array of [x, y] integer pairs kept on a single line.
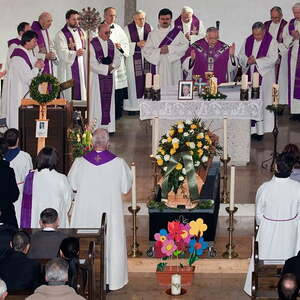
[[179, 241]]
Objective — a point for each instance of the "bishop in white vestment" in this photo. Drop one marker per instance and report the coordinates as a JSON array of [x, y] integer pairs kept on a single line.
[[105, 60], [164, 48], [99, 179], [259, 53]]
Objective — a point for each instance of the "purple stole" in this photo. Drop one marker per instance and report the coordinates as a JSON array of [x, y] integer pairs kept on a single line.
[[14, 41], [140, 67], [105, 81], [26, 207], [100, 158], [75, 67], [262, 52], [169, 38], [194, 26], [296, 94], [279, 39], [37, 28], [209, 59], [21, 53]]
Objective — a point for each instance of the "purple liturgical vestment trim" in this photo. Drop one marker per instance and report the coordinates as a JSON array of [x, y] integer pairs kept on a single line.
[[75, 67], [99, 158], [37, 28], [139, 65], [14, 41], [26, 207], [194, 26], [105, 81], [262, 52], [21, 53]]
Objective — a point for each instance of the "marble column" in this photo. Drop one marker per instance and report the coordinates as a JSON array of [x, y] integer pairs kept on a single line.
[[129, 10]]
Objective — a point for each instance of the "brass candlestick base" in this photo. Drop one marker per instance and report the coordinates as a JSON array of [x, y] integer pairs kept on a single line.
[[244, 95], [225, 193], [135, 246], [230, 253]]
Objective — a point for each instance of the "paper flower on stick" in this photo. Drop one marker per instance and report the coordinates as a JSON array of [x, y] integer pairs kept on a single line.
[[197, 227], [168, 247], [161, 236], [197, 246], [175, 231]]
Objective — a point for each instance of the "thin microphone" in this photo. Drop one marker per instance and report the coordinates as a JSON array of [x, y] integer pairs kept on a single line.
[[218, 24]]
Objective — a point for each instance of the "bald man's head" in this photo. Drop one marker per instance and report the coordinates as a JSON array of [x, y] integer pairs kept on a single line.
[[104, 31], [45, 20]]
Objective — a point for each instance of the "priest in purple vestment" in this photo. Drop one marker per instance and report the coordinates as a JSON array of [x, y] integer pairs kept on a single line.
[[210, 55]]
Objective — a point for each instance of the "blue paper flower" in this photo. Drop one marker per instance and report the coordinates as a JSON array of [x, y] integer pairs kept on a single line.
[[198, 246]]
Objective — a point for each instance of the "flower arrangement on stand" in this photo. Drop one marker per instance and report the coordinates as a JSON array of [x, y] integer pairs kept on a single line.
[[179, 241]]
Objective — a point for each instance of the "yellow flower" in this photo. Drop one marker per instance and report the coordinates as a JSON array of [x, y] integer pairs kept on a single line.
[[200, 136], [199, 144], [175, 145], [191, 152], [187, 143], [169, 139], [197, 227], [163, 152], [172, 151], [160, 162], [200, 152], [180, 130], [179, 166], [193, 126], [208, 139], [171, 132], [78, 138]]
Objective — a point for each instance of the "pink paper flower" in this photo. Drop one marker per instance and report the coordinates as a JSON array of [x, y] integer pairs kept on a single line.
[[168, 247], [185, 233]]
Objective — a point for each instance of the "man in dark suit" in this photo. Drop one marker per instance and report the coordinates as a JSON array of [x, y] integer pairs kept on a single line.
[[17, 270], [292, 265], [6, 234], [45, 243]]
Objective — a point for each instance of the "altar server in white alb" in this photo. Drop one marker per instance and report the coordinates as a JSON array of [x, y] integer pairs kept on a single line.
[[259, 53], [45, 188], [278, 216], [70, 44], [119, 38], [105, 60], [23, 67], [99, 179], [275, 27], [20, 161], [164, 48], [190, 25], [137, 32]]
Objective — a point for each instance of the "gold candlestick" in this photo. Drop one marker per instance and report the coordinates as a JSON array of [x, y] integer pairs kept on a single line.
[[230, 253], [135, 246], [225, 193]]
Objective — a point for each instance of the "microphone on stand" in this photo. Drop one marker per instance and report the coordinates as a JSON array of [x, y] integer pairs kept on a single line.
[[218, 25]]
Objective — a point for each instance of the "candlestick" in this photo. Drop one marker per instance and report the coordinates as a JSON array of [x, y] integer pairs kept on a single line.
[[176, 284], [232, 186], [135, 245], [148, 81], [225, 194], [156, 84], [275, 94], [155, 135], [133, 189], [255, 80], [244, 82], [225, 138]]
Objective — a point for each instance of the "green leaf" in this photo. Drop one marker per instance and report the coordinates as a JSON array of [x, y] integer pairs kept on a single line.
[[176, 253], [181, 265], [165, 258], [160, 267]]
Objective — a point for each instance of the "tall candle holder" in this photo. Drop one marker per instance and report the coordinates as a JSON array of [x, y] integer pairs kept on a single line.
[[230, 253], [225, 193], [135, 245]]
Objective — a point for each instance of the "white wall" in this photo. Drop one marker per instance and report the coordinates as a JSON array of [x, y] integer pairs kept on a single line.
[[236, 16], [14, 12]]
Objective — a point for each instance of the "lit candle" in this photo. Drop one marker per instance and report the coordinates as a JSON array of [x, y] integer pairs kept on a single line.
[[255, 80], [133, 190], [275, 93], [244, 82], [156, 85], [148, 83], [232, 184], [155, 135], [176, 284], [225, 139]]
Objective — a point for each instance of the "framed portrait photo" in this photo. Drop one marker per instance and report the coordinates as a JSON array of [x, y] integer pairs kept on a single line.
[[41, 129], [185, 90]]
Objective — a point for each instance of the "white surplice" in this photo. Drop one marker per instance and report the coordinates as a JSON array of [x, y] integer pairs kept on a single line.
[[21, 164], [194, 37], [66, 59], [10, 50], [99, 189], [168, 66], [18, 78], [283, 71], [51, 189], [95, 103], [266, 68], [278, 217], [132, 103], [289, 42]]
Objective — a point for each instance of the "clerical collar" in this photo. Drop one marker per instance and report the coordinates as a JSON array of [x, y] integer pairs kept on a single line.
[[74, 29], [282, 175], [112, 26], [56, 283], [48, 229]]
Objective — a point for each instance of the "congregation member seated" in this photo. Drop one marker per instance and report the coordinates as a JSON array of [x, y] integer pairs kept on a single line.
[[56, 276], [69, 251], [292, 265], [3, 290], [6, 234], [45, 243], [294, 152], [17, 270], [288, 287]]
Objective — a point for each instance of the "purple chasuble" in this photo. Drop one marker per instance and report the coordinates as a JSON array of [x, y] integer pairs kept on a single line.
[[140, 67], [209, 59], [14, 41], [194, 26], [22, 53], [296, 92], [169, 38], [262, 51], [26, 207], [105, 81], [75, 66], [99, 158], [37, 28]]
